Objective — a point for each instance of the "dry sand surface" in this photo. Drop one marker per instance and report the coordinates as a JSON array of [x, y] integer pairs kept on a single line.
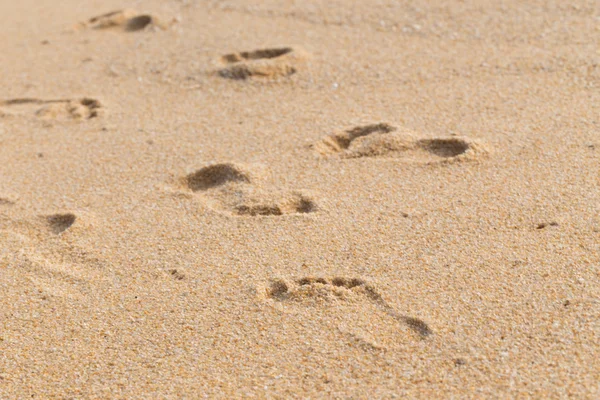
[[299, 199]]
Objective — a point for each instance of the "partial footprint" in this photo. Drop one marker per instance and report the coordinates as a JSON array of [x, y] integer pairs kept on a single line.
[[383, 140], [127, 20], [52, 278], [62, 109], [36, 249], [311, 291], [62, 223], [265, 63], [272, 202], [7, 200], [236, 190]]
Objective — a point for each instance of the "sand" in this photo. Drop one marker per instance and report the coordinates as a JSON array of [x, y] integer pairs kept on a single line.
[[289, 199]]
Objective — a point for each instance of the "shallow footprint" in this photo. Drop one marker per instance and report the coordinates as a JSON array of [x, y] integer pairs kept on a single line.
[[263, 63], [383, 140], [7, 201], [234, 189], [62, 223], [61, 109], [52, 251], [319, 291], [127, 20], [266, 203]]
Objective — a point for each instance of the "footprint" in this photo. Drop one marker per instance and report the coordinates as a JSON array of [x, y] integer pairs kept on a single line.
[[264, 63], [309, 291], [273, 203], [127, 20], [383, 140], [236, 190], [53, 278], [74, 223], [62, 109], [54, 266]]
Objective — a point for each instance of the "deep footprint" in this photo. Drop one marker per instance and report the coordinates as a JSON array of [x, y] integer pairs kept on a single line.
[[340, 287], [383, 140], [264, 63], [61, 109]]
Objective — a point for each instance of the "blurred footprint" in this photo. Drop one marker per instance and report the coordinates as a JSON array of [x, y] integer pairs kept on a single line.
[[264, 63], [61, 109], [126, 20]]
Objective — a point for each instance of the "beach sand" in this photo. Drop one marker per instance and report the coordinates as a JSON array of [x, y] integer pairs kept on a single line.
[[289, 199]]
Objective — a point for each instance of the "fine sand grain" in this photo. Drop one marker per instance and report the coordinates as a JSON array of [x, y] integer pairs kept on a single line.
[[299, 199]]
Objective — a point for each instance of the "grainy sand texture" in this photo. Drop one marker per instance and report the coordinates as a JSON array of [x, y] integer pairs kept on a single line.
[[299, 199]]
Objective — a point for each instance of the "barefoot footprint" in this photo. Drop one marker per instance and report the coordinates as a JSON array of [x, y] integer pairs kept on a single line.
[[309, 288], [264, 63], [127, 20], [60, 109], [384, 140], [232, 188]]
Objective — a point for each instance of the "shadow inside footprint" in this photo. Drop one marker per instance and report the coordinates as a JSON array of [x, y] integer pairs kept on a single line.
[[60, 222], [138, 23], [342, 141], [59, 109], [215, 175], [128, 20], [238, 191], [445, 147]]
